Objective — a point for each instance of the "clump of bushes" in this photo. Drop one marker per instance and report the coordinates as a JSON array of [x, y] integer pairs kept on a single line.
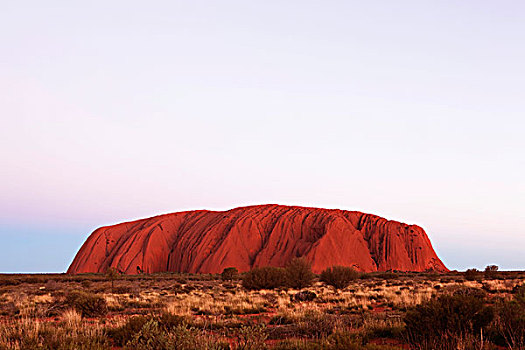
[[340, 340], [444, 321], [252, 310], [297, 274], [30, 335], [87, 304], [123, 290], [126, 333], [267, 277], [510, 321], [387, 275], [153, 337], [472, 274], [314, 324], [9, 281], [162, 332], [251, 337], [339, 277]]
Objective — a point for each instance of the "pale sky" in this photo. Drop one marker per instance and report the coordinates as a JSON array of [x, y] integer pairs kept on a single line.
[[117, 110]]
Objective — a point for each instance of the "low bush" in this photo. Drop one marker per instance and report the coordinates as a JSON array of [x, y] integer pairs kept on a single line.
[[251, 337], [253, 310], [125, 333], [314, 324], [123, 290], [264, 278], [444, 321], [8, 281], [87, 304], [229, 274], [130, 330], [472, 274], [510, 321], [152, 337], [339, 277], [51, 286], [30, 335], [304, 296], [394, 331], [344, 340], [386, 275], [337, 341], [170, 321], [299, 273]]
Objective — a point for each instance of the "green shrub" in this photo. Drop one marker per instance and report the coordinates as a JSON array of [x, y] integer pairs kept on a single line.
[[299, 273], [88, 304], [443, 321], [339, 277], [229, 274], [264, 278]]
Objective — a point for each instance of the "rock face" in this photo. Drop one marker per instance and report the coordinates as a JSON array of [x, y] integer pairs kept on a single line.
[[204, 241]]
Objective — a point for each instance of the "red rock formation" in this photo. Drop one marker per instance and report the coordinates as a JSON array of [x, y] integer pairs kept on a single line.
[[208, 241]]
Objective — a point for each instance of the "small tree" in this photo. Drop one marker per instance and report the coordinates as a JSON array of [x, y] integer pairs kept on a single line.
[[229, 274], [299, 273], [112, 274], [339, 277], [491, 271]]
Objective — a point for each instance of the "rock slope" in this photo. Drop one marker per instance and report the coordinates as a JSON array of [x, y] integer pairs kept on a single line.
[[205, 241]]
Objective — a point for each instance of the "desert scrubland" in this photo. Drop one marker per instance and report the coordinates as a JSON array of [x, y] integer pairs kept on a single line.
[[277, 309]]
